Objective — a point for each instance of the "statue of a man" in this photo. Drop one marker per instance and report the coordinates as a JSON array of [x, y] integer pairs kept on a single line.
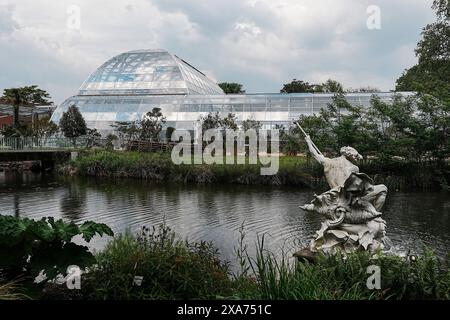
[[338, 170]]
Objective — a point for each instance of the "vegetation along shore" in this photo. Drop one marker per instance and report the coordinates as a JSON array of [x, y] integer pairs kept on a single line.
[[171, 268]]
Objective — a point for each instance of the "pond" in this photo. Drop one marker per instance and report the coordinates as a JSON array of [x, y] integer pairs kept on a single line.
[[214, 212]]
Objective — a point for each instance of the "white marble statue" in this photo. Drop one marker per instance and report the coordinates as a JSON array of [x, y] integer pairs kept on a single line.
[[352, 207]]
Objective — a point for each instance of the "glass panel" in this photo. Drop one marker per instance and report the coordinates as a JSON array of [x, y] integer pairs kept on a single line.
[[106, 116], [126, 116], [238, 108]]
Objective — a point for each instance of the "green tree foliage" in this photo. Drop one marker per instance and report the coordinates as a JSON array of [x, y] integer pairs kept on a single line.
[[25, 96], [148, 129], [215, 121], [251, 124], [229, 122], [44, 128], [299, 86], [231, 88], [367, 89], [442, 8], [290, 140], [72, 124], [169, 132], [127, 131], [210, 121], [332, 86], [431, 74], [416, 128], [92, 138], [150, 126], [316, 126], [110, 138], [20, 131]]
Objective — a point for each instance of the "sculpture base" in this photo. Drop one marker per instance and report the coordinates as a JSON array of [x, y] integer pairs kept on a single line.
[[306, 255]]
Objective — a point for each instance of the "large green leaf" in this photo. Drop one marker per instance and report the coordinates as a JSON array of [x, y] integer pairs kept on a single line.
[[45, 245], [12, 230], [90, 228], [55, 258]]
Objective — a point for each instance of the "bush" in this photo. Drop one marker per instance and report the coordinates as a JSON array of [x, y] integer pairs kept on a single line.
[[344, 277], [159, 167], [293, 171], [171, 268], [30, 247], [175, 269]]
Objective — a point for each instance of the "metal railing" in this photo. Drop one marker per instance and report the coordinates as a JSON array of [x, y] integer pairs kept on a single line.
[[35, 143]]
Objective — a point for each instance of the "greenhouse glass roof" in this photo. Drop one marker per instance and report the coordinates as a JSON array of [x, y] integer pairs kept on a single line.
[[131, 84], [148, 72]]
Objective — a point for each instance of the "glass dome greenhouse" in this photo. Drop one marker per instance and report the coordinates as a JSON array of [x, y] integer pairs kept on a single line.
[[131, 84]]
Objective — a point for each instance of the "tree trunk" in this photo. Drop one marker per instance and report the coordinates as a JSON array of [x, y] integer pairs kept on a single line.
[[16, 116], [16, 105]]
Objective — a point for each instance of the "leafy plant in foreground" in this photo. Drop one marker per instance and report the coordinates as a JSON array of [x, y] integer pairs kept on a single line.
[[30, 247]]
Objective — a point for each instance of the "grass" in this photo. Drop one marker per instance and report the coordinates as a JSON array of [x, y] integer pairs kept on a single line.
[[175, 269], [178, 269], [171, 268], [335, 277], [159, 167], [293, 171], [12, 290]]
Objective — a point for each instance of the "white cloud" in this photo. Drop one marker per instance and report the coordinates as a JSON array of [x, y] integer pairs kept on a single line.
[[7, 23], [260, 43]]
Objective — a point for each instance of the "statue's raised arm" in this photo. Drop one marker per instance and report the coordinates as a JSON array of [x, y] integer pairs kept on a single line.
[[312, 147], [314, 150]]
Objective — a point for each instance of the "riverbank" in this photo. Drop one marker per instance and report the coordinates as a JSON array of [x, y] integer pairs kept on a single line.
[[160, 167], [170, 268], [293, 171]]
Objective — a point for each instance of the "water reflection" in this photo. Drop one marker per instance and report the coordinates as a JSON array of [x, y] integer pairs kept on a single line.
[[214, 212], [73, 202]]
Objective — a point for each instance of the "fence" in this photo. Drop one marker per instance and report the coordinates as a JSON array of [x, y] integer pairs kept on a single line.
[[35, 143], [57, 143]]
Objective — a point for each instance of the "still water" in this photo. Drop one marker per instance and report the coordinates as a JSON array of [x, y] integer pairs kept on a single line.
[[214, 212]]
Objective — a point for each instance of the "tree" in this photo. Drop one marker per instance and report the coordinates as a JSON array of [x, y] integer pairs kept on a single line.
[[210, 121], [127, 130], [332, 86], [169, 132], [21, 131], [318, 128], [297, 86], [72, 124], [110, 138], [231, 88], [25, 96], [367, 89], [92, 138], [251, 124], [442, 8], [431, 73], [214, 121], [434, 127], [229, 122], [44, 128], [290, 140], [151, 125]]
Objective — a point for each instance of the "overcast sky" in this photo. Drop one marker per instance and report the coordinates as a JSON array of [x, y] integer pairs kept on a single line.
[[259, 43]]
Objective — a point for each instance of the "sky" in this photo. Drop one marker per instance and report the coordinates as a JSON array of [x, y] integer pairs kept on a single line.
[[259, 43]]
